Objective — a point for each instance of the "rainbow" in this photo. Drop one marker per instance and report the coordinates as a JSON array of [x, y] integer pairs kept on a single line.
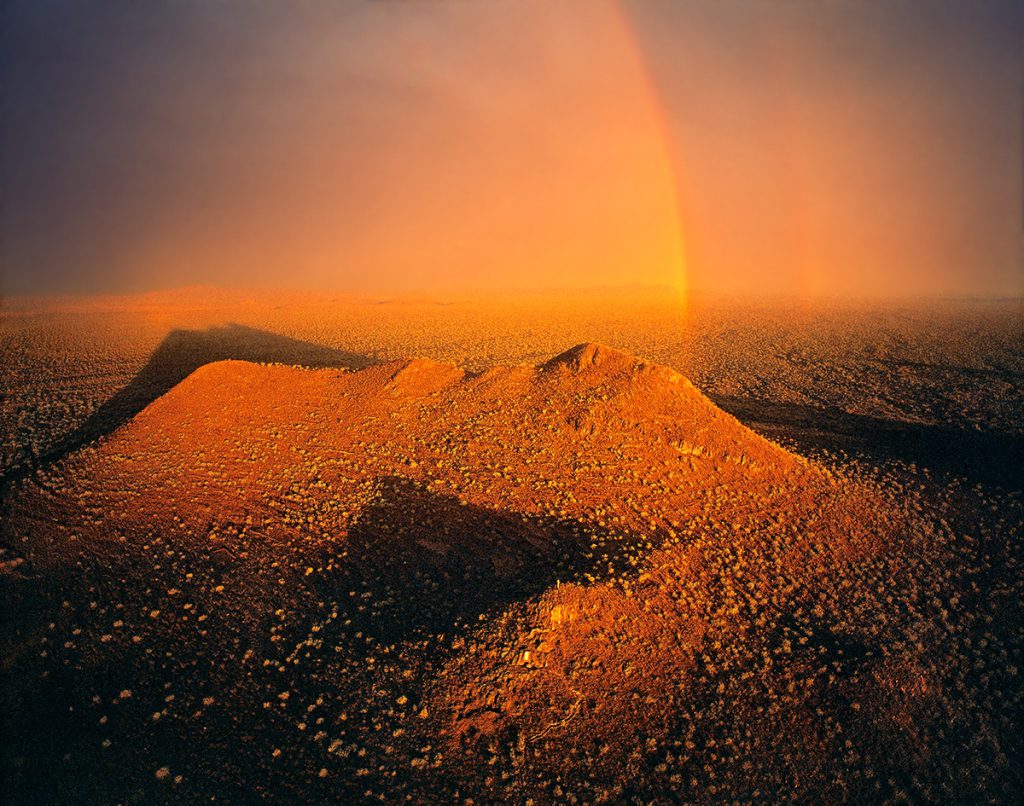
[[667, 157]]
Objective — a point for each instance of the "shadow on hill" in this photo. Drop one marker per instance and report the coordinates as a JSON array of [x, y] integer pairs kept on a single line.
[[362, 620], [181, 353], [415, 566], [429, 562], [979, 456]]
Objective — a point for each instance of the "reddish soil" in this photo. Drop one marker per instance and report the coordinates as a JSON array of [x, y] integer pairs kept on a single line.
[[577, 581]]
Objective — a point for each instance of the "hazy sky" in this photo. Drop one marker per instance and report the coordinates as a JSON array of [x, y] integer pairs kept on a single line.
[[794, 146]]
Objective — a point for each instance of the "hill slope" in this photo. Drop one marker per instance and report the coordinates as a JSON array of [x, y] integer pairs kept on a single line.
[[573, 580]]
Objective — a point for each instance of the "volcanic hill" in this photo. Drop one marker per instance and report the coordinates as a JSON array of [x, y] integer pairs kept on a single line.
[[578, 581]]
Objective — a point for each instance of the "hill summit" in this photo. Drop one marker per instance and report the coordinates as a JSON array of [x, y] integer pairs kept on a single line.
[[529, 416]]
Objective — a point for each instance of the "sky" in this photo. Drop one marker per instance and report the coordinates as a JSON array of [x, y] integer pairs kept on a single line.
[[807, 147]]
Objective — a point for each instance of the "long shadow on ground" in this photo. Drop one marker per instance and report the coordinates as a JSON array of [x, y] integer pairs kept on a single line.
[[980, 456], [181, 353]]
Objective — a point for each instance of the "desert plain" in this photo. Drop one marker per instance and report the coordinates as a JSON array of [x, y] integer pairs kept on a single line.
[[605, 546]]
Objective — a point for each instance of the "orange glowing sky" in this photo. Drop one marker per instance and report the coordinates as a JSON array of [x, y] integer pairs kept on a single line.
[[397, 146]]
